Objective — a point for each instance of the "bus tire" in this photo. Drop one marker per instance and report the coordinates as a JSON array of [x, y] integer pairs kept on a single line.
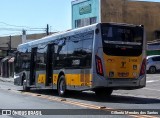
[[103, 92], [23, 78], [25, 88], [61, 86]]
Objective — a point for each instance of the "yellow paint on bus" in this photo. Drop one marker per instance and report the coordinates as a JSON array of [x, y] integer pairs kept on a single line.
[[75, 79], [122, 67], [41, 79]]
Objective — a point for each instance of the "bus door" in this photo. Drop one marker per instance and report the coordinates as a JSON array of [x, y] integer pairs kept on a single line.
[[49, 65], [33, 66]]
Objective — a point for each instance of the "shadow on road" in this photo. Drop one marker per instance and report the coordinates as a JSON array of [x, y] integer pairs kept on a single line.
[[158, 72], [90, 96]]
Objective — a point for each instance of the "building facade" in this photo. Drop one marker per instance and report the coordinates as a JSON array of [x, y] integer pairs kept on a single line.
[[85, 12], [8, 45]]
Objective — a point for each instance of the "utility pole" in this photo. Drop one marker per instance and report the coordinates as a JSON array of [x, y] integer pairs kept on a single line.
[[9, 45], [47, 30], [23, 36], [10, 42]]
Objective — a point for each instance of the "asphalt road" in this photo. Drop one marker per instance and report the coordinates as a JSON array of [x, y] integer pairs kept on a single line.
[[152, 89], [146, 98]]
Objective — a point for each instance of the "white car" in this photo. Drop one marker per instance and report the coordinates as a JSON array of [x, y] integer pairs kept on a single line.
[[153, 63]]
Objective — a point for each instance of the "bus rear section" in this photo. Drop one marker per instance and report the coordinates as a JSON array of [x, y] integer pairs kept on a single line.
[[120, 59]]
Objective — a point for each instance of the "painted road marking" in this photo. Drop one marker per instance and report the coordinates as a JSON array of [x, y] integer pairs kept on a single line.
[[151, 89], [76, 103], [151, 81], [85, 105]]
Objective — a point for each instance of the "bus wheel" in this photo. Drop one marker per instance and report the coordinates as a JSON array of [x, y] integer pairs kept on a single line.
[[103, 92], [62, 86], [25, 88]]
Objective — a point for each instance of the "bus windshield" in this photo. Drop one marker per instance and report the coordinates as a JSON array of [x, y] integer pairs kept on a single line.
[[123, 40]]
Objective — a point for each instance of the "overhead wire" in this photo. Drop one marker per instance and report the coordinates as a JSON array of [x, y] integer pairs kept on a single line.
[[10, 28], [19, 26], [13, 33], [16, 29]]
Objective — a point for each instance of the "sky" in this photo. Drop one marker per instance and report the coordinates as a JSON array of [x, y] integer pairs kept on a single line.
[[34, 15]]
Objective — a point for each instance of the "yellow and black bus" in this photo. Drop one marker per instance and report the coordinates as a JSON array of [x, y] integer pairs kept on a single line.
[[101, 57]]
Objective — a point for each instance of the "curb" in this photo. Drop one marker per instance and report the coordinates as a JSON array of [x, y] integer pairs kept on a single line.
[[6, 79]]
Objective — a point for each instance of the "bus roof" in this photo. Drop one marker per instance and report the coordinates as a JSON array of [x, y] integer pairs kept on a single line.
[[55, 36], [59, 35]]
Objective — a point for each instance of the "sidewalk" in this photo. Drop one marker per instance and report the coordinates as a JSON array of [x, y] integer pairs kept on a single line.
[[7, 79]]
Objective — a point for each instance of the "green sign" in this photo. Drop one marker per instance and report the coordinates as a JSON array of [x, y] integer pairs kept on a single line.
[[85, 9]]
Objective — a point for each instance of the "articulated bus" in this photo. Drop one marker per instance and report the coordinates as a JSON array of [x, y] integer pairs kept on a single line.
[[101, 57]]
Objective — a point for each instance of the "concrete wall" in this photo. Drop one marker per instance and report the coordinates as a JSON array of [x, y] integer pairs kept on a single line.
[[112, 10], [16, 40], [135, 12]]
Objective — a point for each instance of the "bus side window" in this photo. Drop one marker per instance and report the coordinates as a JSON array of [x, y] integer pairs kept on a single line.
[[61, 53], [74, 51], [87, 49], [40, 60], [17, 63]]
